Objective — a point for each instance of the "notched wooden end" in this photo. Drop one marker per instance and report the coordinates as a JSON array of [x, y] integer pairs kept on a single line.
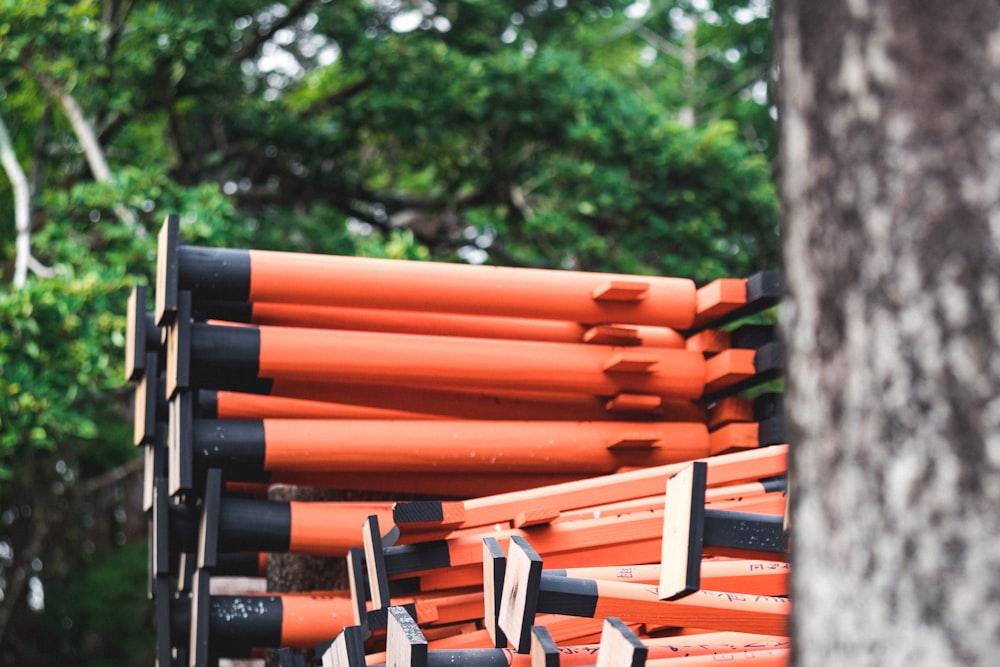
[[621, 290]]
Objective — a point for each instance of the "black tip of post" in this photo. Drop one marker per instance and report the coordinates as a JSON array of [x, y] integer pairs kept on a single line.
[[167, 269], [765, 288]]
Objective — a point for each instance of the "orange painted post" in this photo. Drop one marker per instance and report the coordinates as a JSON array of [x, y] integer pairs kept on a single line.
[[237, 405], [446, 445], [470, 364], [527, 590], [276, 277], [440, 324], [724, 469], [747, 576], [439, 485], [492, 404]]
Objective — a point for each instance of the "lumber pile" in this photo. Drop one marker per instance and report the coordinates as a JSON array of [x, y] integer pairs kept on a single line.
[[600, 487]]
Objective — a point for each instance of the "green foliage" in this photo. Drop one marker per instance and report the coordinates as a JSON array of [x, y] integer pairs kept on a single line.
[[61, 346], [512, 132], [96, 616]]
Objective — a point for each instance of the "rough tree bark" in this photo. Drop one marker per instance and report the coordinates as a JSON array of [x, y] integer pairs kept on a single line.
[[890, 116]]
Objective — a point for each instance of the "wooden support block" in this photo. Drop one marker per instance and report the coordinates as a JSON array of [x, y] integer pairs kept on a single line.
[[494, 566], [406, 645], [619, 646], [356, 581], [167, 268], [147, 393], [519, 598], [544, 652], [378, 579], [621, 290], [683, 532], [631, 362], [689, 529], [347, 650]]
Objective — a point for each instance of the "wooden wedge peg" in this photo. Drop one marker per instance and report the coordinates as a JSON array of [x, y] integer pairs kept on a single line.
[[611, 334], [631, 362], [621, 290]]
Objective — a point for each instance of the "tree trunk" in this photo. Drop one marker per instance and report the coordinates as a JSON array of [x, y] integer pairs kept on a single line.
[[890, 116]]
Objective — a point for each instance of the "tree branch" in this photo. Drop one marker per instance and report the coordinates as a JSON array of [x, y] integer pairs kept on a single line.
[[22, 206], [250, 47], [87, 137]]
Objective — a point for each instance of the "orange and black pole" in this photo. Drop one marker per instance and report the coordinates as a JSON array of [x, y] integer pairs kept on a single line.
[[275, 277]]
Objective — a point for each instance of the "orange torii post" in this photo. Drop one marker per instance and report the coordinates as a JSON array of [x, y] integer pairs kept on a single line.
[[276, 277], [437, 324], [434, 516], [252, 446], [527, 591], [197, 351]]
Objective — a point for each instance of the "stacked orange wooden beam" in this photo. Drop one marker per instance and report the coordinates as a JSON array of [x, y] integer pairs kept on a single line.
[[547, 409]]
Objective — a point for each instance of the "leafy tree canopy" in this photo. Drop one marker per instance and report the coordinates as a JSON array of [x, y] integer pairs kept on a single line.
[[593, 135]]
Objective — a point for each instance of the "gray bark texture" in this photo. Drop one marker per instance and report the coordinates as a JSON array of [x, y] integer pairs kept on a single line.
[[890, 115]]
